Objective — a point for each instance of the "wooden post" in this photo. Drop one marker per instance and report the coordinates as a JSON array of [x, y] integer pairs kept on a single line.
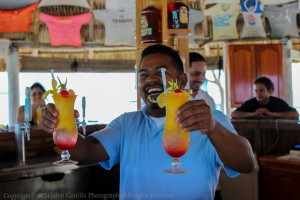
[[12, 62], [287, 72]]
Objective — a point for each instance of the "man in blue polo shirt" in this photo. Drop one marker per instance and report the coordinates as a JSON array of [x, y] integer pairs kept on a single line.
[[135, 140]]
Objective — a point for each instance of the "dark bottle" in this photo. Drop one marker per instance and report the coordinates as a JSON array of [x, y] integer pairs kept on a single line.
[[150, 24], [178, 15]]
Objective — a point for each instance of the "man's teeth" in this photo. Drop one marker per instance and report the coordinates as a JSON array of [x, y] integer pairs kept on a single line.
[[154, 90]]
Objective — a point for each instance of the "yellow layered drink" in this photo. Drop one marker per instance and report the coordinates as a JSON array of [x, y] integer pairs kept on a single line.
[[65, 133], [38, 115], [176, 141]]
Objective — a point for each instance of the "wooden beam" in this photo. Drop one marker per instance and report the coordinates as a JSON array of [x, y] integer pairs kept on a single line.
[[34, 64]]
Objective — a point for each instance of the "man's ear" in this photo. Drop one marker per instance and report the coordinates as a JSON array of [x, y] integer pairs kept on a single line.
[[182, 80]]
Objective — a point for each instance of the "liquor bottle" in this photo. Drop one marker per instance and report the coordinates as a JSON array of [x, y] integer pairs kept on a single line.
[[150, 24], [178, 15]]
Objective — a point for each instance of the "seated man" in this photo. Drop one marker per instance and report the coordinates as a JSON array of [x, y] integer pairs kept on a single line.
[[264, 105]]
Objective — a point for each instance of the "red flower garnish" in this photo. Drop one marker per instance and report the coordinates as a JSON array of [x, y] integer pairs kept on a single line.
[[64, 93], [178, 90]]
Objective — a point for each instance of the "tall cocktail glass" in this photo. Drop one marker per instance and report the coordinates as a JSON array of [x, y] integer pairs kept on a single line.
[[38, 115], [65, 134], [176, 140]]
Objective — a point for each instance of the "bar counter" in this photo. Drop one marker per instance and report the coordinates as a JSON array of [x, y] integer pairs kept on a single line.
[[269, 136], [46, 181], [272, 124], [279, 178], [40, 179], [34, 167]]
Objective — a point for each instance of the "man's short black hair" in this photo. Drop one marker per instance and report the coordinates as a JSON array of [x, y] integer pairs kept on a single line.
[[196, 57], [266, 81], [162, 49], [38, 85]]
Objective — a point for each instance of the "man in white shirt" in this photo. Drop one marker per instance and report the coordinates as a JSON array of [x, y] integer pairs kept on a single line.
[[197, 77], [198, 69]]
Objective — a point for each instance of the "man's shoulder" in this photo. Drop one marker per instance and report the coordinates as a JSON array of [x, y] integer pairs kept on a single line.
[[141, 114], [132, 114], [273, 98], [21, 108], [128, 119], [278, 101], [202, 93], [249, 105], [252, 100]]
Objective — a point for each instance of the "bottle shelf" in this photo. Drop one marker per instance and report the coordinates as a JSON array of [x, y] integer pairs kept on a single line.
[[176, 38], [179, 31], [165, 31], [144, 45]]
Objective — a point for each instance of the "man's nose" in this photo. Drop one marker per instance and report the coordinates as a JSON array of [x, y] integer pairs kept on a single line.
[[153, 77]]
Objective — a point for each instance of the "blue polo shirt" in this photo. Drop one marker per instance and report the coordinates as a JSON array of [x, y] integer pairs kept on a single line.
[[135, 141]]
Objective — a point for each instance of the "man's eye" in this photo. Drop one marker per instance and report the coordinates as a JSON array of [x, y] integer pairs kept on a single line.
[[142, 75]]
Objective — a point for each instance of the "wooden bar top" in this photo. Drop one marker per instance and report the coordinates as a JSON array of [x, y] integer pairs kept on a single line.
[[279, 178], [269, 136], [40, 154], [278, 160], [282, 124]]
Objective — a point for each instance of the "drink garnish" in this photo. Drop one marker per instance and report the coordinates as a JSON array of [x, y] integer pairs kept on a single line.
[[173, 89], [178, 90], [53, 81], [62, 88]]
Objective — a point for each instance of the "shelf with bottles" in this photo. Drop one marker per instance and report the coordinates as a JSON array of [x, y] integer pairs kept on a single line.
[[178, 31], [140, 20], [161, 25], [178, 39]]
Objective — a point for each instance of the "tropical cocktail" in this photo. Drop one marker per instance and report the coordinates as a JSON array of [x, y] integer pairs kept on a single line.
[[38, 115], [176, 141], [65, 133]]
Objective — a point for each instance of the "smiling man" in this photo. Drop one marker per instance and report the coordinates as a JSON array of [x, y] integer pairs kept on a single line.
[[135, 139], [198, 69], [264, 105]]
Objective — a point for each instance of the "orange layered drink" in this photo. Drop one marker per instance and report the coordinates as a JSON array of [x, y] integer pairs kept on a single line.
[[176, 140], [65, 133], [38, 115]]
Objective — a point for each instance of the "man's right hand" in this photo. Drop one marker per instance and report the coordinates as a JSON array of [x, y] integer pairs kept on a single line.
[[49, 118]]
